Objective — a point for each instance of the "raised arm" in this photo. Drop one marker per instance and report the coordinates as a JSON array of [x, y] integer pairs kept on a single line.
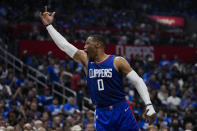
[[61, 42], [123, 67]]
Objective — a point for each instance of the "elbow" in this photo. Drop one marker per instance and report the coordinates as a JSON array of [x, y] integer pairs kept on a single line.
[[141, 80], [138, 80], [61, 47]]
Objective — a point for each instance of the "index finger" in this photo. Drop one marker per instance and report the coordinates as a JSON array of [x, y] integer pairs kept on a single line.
[[45, 8], [144, 116], [152, 119]]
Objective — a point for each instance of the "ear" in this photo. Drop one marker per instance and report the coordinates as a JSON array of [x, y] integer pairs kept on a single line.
[[98, 44]]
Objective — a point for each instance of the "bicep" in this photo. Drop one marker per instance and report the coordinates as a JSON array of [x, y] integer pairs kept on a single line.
[[122, 65], [81, 57]]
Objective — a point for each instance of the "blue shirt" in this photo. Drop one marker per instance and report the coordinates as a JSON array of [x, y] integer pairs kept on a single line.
[[70, 108], [43, 99], [54, 109], [50, 70]]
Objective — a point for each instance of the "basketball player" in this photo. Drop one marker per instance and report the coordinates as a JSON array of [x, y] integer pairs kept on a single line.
[[104, 77]]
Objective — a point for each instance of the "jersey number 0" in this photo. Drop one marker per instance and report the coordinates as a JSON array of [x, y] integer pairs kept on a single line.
[[100, 84]]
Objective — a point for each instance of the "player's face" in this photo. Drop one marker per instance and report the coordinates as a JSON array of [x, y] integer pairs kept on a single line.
[[90, 48]]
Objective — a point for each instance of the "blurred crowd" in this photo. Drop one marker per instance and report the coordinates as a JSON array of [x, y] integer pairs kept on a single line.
[[122, 22], [171, 83], [90, 11], [25, 107]]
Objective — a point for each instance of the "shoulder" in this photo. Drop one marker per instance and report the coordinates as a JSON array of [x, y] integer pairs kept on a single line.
[[122, 65], [119, 61], [66, 104], [119, 58], [81, 57]]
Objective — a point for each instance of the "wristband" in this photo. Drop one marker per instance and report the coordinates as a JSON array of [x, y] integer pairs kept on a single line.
[[148, 104]]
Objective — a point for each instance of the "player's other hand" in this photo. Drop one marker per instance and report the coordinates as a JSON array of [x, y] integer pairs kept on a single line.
[[149, 114], [46, 17]]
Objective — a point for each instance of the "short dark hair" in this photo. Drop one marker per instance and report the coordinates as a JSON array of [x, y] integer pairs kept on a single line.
[[149, 128], [99, 38]]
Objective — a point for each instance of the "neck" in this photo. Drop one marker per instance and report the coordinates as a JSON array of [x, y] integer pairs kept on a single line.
[[100, 57]]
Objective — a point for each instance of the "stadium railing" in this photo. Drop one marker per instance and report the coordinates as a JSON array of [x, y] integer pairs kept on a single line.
[[41, 79], [10, 59]]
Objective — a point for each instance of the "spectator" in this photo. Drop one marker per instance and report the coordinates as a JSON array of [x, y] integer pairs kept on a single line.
[[164, 61], [56, 122], [38, 124], [153, 83], [68, 123], [55, 108], [46, 98], [34, 113], [185, 103], [51, 71], [173, 100], [27, 126], [188, 127], [164, 128], [42, 129], [75, 82], [10, 128], [2, 122], [70, 106], [90, 127], [139, 40], [76, 128], [2, 128], [129, 93], [174, 125], [123, 39], [163, 95], [46, 116], [152, 128]]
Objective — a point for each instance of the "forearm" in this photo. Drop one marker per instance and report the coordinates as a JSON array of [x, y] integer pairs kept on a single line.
[[61, 42], [140, 86]]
